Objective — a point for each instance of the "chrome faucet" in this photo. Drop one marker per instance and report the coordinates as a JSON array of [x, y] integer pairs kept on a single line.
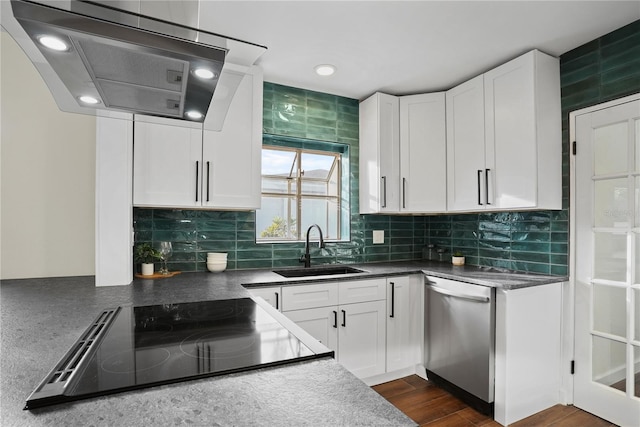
[[306, 258]]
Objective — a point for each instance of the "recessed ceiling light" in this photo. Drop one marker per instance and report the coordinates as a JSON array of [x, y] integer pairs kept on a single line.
[[325, 69], [204, 73], [53, 43], [195, 115], [89, 99]]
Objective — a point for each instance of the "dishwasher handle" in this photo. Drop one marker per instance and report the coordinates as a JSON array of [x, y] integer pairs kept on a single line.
[[455, 294]]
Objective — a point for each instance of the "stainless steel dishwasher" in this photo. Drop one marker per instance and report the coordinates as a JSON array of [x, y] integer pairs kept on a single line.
[[460, 339]]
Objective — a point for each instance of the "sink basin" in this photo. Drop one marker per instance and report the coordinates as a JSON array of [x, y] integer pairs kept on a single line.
[[317, 271]]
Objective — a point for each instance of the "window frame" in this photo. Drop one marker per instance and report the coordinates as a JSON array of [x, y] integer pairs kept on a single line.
[[339, 166]]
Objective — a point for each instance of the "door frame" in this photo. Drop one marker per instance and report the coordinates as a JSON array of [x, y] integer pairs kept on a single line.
[[568, 294]]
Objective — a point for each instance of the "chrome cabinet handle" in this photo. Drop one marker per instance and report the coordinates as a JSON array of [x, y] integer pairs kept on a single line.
[[454, 294], [344, 318], [486, 185], [197, 174], [335, 319], [393, 299], [384, 191], [479, 178]]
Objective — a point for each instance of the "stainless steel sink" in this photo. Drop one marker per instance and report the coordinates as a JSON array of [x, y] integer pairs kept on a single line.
[[317, 271]]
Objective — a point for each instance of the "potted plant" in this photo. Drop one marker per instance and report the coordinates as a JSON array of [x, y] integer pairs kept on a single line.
[[457, 258], [146, 255]]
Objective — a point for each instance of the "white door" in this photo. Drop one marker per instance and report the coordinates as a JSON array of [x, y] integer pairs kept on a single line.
[[607, 266]]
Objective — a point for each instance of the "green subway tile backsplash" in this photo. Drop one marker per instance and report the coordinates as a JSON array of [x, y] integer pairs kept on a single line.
[[598, 71]]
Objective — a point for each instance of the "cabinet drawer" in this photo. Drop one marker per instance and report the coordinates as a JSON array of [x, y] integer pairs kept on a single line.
[[362, 291], [309, 296]]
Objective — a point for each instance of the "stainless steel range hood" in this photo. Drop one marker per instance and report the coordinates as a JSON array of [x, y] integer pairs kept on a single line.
[[127, 60]]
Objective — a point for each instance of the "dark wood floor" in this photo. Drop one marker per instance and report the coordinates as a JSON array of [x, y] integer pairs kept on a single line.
[[431, 406]]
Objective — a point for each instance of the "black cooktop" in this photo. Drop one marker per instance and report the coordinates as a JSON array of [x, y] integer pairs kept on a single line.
[[136, 347]]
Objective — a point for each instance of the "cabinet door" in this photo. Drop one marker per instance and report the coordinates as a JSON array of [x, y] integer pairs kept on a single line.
[[510, 125], [423, 153], [361, 338], [353, 291], [404, 321], [309, 296], [465, 146], [379, 154], [320, 323], [272, 295], [167, 165], [232, 157]]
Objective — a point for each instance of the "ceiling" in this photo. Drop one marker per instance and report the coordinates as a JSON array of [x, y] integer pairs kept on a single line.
[[405, 47]]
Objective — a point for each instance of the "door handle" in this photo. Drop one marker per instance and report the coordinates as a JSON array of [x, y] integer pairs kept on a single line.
[[197, 174], [479, 179], [335, 319], [344, 318], [486, 185], [393, 299], [384, 191]]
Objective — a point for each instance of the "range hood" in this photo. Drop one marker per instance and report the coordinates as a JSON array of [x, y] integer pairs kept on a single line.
[[131, 56]]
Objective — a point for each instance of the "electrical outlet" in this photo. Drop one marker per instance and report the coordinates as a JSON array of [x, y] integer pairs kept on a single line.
[[378, 236]]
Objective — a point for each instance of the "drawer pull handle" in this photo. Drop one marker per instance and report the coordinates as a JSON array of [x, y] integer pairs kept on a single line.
[[335, 319], [344, 318]]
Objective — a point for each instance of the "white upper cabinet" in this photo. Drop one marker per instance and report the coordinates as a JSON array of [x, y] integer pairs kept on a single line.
[[465, 145], [504, 146], [232, 157], [379, 154], [423, 153], [402, 154], [178, 164], [167, 162], [523, 132]]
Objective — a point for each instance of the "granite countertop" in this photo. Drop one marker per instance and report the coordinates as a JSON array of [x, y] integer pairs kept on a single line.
[[41, 318], [484, 276]]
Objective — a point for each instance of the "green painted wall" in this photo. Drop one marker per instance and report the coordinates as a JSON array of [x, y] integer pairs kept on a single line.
[[601, 70]]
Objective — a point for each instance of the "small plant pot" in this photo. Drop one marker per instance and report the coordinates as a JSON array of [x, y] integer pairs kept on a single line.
[[147, 269], [457, 260]]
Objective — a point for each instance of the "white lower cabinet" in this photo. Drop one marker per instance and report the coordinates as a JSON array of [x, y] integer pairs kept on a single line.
[[404, 325], [355, 329], [272, 295]]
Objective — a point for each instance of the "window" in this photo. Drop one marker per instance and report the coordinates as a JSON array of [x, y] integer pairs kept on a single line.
[[301, 187]]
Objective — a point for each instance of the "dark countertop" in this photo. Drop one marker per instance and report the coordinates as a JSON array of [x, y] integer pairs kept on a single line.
[[485, 276], [41, 318]]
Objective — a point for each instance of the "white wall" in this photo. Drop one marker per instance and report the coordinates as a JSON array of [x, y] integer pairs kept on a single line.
[[47, 191]]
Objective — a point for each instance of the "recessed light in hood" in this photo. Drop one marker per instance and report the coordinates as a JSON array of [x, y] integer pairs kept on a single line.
[[128, 61]]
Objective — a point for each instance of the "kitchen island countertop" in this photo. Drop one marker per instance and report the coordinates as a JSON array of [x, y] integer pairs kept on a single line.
[[42, 318]]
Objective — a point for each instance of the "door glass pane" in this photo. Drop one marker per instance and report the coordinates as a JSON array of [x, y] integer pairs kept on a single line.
[[610, 310], [636, 351], [637, 197], [636, 296], [610, 149], [611, 203], [610, 253], [609, 363]]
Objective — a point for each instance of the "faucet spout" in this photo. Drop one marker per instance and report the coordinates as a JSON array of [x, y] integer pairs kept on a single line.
[[306, 258]]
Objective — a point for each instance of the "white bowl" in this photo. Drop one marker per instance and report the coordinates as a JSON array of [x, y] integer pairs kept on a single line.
[[216, 255], [216, 267]]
